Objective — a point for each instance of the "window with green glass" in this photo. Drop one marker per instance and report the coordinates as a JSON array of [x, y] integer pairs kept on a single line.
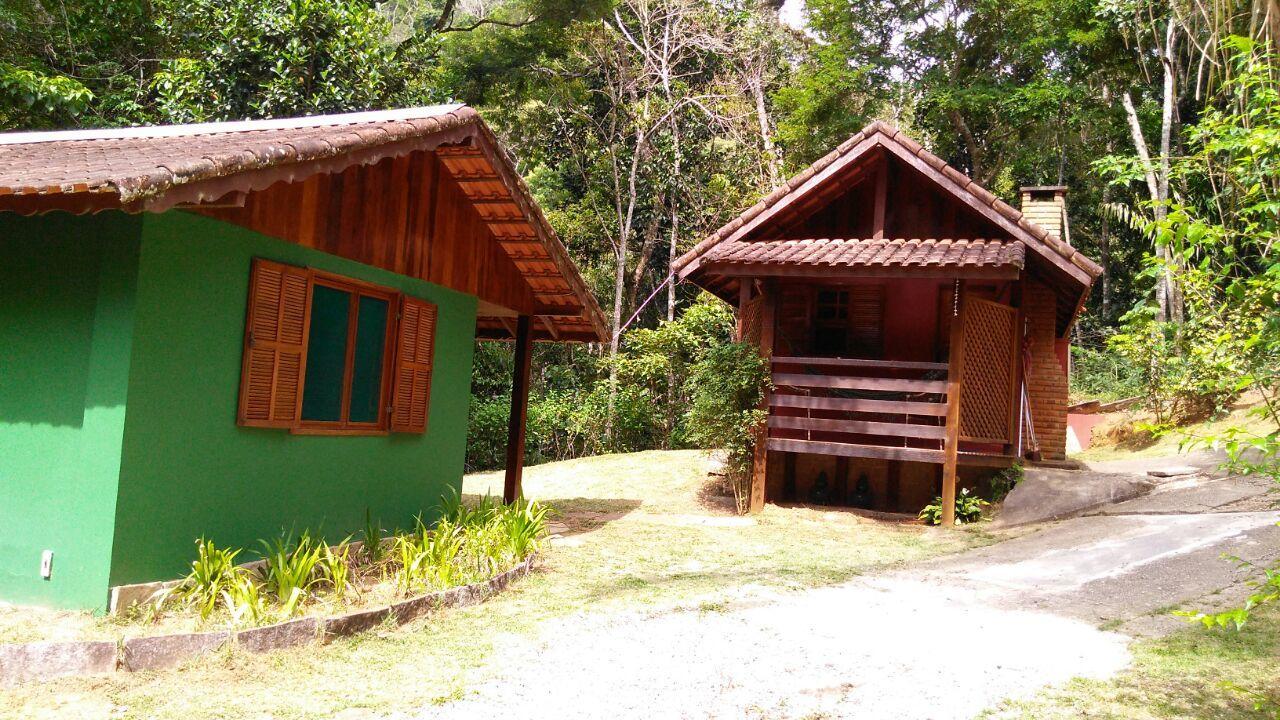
[[346, 366]]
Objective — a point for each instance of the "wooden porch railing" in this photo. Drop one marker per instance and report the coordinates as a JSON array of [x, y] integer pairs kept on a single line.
[[858, 408], [881, 409]]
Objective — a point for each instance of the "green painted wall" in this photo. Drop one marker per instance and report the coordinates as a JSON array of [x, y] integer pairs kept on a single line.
[[66, 313], [188, 470]]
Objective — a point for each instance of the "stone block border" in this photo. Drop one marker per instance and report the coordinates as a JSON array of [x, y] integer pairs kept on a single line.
[[23, 662]]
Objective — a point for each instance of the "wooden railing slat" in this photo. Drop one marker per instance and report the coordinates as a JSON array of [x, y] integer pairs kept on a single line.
[[813, 447], [858, 427], [860, 383], [887, 407], [859, 363]]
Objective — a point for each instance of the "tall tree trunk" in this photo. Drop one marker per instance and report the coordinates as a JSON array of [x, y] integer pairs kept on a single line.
[[674, 205], [1104, 252], [626, 219], [1168, 296], [642, 261], [1173, 292], [756, 82]]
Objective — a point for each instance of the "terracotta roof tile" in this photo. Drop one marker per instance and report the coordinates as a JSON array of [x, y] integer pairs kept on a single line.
[[855, 252], [139, 163]]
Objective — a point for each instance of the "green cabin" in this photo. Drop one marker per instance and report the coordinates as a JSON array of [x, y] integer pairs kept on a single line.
[[228, 330]]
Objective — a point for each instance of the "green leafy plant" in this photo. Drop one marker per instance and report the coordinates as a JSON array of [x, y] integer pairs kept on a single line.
[[335, 567], [441, 547], [213, 572], [291, 569], [524, 523], [1003, 482], [484, 552], [245, 601], [409, 558], [968, 509], [427, 556], [371, 540], [454, 510], [730, 381], [1104, 374]]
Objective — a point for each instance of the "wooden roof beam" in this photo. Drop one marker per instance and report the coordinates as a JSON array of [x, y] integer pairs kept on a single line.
[[550, 326], [835, 272]]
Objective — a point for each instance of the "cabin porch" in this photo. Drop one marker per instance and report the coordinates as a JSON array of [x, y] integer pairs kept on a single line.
[[873, 404]]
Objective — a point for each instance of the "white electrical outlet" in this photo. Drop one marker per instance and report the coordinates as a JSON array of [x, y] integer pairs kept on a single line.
[[46, 564]]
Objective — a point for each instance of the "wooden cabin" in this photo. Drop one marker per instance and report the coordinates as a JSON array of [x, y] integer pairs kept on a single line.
[[231, 330], [916, 325]]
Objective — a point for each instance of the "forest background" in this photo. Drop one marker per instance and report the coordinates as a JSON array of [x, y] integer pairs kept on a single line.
[[642, 125]]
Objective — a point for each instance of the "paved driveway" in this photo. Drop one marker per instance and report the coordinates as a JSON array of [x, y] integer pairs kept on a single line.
[[942, 639]]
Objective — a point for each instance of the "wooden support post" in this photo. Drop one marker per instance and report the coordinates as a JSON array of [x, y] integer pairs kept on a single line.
[[760, 463], [952, 452], [840, 486], [951, 448], [893, 493], [511, 489], [881, 199], [1014, 446]]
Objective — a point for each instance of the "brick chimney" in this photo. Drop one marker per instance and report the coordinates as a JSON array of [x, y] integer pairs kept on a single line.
[[1046, 206]]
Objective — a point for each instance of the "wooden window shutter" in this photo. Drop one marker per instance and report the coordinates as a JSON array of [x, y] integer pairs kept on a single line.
[[415, 344], [274, 345], [866, 320]]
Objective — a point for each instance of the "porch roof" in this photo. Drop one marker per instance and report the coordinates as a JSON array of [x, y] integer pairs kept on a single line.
[[953, 256]]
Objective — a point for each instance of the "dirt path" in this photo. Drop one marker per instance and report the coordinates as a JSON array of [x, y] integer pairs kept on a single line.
[[943, 639]]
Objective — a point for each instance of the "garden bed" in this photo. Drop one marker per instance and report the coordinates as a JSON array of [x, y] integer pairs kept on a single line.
[[300, 590], [22, 662]]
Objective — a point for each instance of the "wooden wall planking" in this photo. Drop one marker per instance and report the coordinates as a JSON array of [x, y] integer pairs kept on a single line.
[[404, 214], [915, 208]]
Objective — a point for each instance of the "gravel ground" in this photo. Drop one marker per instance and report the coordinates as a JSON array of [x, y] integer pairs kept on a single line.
[[945, 639], [870, 650]]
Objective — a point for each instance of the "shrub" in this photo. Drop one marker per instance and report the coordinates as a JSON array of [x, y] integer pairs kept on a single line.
[[1103, 374], [487, 432], [725, 413], [1186, 374], [968, 509], [524, 525], [454, 510], [245, 601], [469, 543], [1003, 482]]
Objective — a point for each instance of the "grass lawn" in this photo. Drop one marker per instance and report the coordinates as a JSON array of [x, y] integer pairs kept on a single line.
[[1169, 443], [642, 535], [1179, 676]]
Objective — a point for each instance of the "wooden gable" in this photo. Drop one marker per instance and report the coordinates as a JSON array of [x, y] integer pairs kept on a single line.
[[880, 185], [404, 214]]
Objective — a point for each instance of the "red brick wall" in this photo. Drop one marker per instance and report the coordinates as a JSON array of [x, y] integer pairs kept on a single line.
[[1046, 380]]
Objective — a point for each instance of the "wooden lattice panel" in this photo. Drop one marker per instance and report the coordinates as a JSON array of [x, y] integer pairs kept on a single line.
[[987, 373], [752, 314]]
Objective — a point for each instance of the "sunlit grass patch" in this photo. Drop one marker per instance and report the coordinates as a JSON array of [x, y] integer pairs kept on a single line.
[[1186, 675]]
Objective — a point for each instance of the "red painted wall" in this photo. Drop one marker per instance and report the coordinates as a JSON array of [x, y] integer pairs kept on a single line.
[[911, 319]]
